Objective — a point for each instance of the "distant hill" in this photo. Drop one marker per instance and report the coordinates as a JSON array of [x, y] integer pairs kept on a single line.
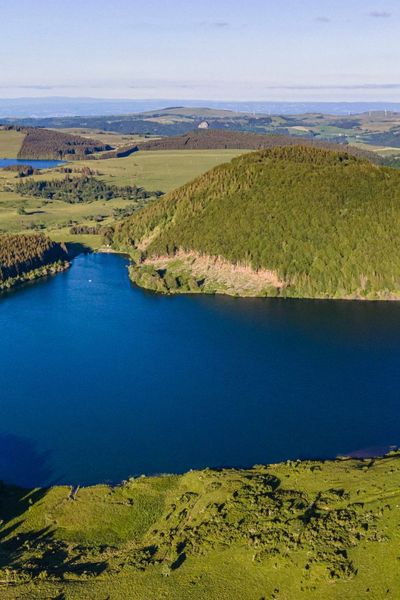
[[386, 138], [219, 139], [47, 144], [177, 120], [338, 123], [309, 222], [210, 139], [66, 107]]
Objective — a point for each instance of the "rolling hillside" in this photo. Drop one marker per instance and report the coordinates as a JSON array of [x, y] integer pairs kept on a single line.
[[208, 139], [377, 127], [44, 144], [219, 139], [299, 221]]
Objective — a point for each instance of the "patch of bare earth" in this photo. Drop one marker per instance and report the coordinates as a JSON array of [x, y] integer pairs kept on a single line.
[[228, 278], [142, 245]]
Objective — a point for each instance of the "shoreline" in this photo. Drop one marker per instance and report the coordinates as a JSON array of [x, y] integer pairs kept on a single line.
[[109, 250], [357, 456], [42, 272], [307, 529], [175, 275], [152, 284]]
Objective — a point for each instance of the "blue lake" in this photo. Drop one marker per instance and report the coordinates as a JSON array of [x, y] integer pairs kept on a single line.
[[100, 380], [36, 164]]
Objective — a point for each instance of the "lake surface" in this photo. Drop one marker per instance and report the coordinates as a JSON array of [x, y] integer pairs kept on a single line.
[[36, 164], [100, 380]]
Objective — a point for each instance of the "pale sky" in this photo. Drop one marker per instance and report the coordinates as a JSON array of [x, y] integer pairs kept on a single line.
[[206, 49]]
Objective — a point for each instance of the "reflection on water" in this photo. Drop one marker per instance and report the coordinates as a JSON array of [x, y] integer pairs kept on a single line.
[[108, 381]]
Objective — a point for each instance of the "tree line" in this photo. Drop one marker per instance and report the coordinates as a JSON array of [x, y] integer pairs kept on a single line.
[[84, 188]]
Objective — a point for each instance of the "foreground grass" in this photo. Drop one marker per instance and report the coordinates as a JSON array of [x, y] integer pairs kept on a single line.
[[293, 530]]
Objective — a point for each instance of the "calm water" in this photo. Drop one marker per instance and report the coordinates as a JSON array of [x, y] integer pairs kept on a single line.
[[100, 380], [36, 164]]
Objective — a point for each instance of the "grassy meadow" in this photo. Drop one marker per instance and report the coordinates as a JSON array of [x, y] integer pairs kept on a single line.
[[291, 531], [10, 143], [163, 171], [107, 137]]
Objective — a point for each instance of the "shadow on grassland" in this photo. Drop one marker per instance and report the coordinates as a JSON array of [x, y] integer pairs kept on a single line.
[[31, 552], [34, 552]]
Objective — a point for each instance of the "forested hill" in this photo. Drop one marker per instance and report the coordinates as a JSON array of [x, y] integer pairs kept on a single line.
[[24, 254], [326, 223], [210, 139], [219, 139], [46, 144]]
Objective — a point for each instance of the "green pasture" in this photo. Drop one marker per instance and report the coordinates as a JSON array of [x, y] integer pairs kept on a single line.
[[291, 531], [10, 143]]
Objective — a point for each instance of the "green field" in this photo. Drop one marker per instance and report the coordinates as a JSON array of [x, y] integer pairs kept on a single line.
[[161, 170], [292, 531], [107, 137], [152, 170], [10, 143]]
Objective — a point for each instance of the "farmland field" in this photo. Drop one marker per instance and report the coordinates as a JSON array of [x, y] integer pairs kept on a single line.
[[151, 170], [10, 143]]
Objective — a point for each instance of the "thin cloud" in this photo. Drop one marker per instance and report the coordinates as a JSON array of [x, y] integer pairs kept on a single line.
[[176, 25], [323, 20], [380, 14], [152, 85], [356, 86], [216, 24], [27, 87]]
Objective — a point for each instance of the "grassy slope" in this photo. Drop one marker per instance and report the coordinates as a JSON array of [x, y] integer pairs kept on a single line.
[[105, 137], [160, 170], [10, 143], [327, 224], [290, 531]]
